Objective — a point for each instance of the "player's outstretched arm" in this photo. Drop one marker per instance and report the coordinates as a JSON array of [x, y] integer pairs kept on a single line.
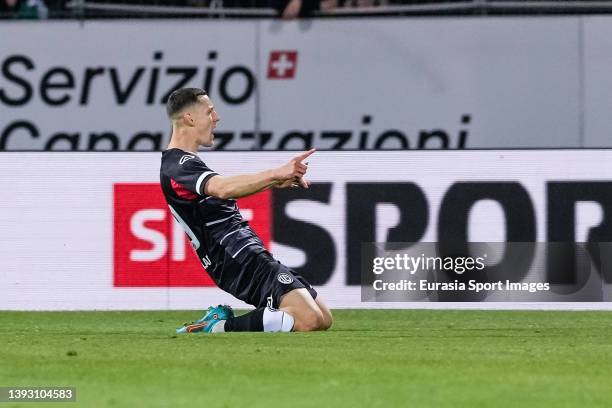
[[248, 184]]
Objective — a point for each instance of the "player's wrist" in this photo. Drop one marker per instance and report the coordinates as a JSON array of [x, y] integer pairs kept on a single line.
[[277, 175]]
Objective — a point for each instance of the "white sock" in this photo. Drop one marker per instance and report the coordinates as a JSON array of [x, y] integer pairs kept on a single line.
[[219, 327], [277, 321]]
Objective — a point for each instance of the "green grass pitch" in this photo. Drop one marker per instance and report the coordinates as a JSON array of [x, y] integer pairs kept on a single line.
[[373, 358]]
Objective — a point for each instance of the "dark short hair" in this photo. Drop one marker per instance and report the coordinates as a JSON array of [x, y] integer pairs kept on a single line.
[[181, 99]]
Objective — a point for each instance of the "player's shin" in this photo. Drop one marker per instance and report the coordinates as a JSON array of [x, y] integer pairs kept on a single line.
[[263, 319]]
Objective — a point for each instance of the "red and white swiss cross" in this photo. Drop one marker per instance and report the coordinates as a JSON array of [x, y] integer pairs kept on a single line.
[[282, 64]]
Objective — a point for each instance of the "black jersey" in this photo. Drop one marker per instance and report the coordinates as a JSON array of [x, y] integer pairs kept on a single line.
[[222, 239], [231, 252]]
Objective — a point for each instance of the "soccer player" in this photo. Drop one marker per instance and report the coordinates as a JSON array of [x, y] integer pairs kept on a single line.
[[203, 202]]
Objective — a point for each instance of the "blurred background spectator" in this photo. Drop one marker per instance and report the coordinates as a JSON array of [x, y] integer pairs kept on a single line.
[[26, 9], [286, 9]]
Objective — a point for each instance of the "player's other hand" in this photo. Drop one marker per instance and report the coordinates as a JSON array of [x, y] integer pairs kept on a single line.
[[292, 174], [291, 183]]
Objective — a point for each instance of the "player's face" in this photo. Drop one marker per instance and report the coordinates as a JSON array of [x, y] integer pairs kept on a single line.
[[205, 120]]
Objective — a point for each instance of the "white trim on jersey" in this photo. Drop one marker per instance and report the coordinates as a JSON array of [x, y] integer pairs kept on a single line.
[[228, 234], [218, 221], [195, 242], [240, 250], [201, 179]]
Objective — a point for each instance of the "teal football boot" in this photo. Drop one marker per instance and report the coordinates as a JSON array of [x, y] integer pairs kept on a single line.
[[221, 312], [212, 316], [205, 327]]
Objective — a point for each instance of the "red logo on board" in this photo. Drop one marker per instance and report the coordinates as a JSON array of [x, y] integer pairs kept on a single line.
[[151, 248]]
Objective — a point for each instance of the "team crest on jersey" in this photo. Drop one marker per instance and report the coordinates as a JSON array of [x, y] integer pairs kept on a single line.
[[284, 278], [185, 158]]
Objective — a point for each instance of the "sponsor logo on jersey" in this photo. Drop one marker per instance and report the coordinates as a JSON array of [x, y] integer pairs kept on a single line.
[[185, 158], [284, 278]]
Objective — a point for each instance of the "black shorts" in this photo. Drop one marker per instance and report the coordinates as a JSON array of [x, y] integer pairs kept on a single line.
[[270, 280]]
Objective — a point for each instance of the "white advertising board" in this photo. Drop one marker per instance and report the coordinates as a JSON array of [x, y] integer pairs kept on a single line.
[[69, 220], [333, 84]]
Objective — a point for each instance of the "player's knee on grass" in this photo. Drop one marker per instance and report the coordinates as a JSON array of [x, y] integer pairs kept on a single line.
[[328, 320], [308, 320], [308, 314]]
